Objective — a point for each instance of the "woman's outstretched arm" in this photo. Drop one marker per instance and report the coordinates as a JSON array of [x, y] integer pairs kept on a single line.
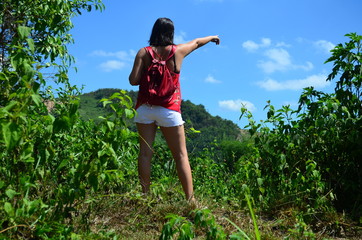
[[187, 48]]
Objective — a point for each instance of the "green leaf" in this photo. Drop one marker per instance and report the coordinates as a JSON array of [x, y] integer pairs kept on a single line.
[[193, 130], [9, 209], [335, 106], [62, 123], [31, 44], [10, 106], [105, 102], [115, 95], [260, 181], [37, 99], [11, 193], [24, 31], [129, 113], [62, 164], [110, 125], [33, 206], [11, 134]]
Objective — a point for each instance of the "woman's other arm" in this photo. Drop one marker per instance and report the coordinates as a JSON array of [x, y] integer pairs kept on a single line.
[[138, 67]]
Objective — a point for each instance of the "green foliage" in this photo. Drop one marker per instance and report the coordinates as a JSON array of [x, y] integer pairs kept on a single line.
[[50, 161], [184, 229], [177, 224], [346, 114], [311, 156], [232, 151], [300, 230], [212, 178], [212, 128], [62, 162]]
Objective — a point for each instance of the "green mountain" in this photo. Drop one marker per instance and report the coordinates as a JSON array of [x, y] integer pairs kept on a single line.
[[209, 129]]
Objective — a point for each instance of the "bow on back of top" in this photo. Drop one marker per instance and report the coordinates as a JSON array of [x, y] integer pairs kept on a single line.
[[160, 65]]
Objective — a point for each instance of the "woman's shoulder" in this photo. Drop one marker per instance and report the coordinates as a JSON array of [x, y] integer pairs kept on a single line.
[[142, 51]]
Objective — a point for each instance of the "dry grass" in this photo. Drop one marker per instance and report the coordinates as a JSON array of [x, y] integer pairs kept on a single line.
[[134, 216]]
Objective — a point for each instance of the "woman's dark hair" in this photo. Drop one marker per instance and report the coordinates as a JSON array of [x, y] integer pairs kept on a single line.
[[162, 32]]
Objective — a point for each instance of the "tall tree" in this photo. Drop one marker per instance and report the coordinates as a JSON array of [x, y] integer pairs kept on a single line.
[[34, 35]]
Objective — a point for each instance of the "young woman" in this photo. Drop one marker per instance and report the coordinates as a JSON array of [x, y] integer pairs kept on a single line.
[[168, 116]]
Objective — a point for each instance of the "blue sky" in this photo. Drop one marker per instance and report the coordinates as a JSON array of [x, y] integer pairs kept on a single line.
[[270, 50]]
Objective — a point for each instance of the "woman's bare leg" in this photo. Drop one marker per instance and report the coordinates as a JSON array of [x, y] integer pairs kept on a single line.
[[175, 138], [147, 134]]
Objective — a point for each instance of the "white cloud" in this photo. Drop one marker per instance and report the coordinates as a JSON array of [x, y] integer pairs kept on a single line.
[[112, 65], [119, 59], [265, 42], [317, 81], [324, 45], [307, 67], [252, 46], [277, 58], [282, 44], [280, 60], [122, 55], [236, 105], [211, 79], [180, 38]]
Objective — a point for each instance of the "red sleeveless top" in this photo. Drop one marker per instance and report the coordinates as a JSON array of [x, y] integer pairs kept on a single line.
[[175, 102]]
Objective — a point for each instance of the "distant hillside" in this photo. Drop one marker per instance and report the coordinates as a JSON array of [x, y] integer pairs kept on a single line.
[[211, 127]]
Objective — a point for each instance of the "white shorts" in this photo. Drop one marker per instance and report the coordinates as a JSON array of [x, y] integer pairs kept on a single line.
[[163, 117]]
